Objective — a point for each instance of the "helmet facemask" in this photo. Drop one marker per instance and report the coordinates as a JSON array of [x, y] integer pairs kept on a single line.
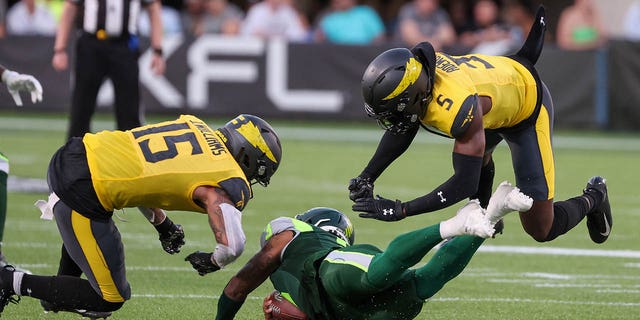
[[405, 116], [396, 88], [330, 220], [249, 138]]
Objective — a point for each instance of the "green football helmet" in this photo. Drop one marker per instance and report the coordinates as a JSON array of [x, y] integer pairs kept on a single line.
[[255, 146], [330, 220]]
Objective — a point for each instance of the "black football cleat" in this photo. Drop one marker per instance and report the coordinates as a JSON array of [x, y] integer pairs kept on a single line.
[[6, 288], [599, 220], [93, 315]]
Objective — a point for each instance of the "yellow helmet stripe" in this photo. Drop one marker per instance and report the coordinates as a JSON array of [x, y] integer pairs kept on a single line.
[[252, 133], [411, 74]]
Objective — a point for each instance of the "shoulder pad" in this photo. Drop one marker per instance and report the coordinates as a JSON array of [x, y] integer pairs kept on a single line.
[[282, 224], [464, 117], [238, 190]]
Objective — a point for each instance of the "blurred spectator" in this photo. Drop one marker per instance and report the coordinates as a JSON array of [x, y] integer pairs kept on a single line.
[[192, 16], [171, 22], [459, 13], [3, 14], [520, 15], [30, 18], [487, 35], [425, 20], [631, 27], [220, 17], [580, 28], [274, 18], [349, 23], [55, 7]]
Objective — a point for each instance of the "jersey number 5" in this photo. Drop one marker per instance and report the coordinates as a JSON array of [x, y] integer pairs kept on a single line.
[[170, 140]]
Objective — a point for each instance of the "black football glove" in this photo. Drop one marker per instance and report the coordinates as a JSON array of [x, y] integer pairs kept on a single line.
[[360, 187], [171, 236], [379, 208], [201, 261]]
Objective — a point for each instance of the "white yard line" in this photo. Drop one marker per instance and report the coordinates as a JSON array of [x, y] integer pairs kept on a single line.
[[336, 134], [445, 300]]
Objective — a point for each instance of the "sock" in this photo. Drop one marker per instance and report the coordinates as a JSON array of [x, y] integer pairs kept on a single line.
[[67, 266], [66, 293], [485, 186], [446, 264], [593, 198], [403, 252], [567, 214], [3, 194]]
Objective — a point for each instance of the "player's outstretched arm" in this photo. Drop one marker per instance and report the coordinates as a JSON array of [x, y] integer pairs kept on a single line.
[[252, 275], [17, 82], [391, 146], [171, 235], [225, 221]]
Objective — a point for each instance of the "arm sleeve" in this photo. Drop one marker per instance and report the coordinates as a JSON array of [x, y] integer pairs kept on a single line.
[[461, 185], [391, 146]]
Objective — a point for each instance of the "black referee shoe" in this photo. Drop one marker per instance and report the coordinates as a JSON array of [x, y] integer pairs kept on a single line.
[[599, 220]]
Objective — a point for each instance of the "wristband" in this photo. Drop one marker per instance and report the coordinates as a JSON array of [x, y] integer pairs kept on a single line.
[[60, 50], [165, 226], [157, 51]]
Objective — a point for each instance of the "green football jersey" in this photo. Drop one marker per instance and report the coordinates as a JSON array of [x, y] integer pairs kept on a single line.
[[297, 277]]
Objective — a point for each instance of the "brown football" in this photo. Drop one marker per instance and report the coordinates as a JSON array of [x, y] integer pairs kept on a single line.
[[281, 308]]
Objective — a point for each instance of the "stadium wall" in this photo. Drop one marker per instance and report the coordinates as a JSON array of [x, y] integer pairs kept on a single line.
[[221, 76]]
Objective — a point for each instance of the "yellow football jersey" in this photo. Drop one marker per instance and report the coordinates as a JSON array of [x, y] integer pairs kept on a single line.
[[459, 80], [160, 165]]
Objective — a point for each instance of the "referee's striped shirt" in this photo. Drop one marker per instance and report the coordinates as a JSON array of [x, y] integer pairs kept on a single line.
[[111, 18]]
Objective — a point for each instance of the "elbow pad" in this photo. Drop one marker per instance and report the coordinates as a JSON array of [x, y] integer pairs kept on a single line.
[[461, 185], [225, 254]]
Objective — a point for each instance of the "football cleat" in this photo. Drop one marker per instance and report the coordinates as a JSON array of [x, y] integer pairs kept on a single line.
[[471, 220], [6, 288], [505, 199], [599, 220], [4, 262], [93, 315]]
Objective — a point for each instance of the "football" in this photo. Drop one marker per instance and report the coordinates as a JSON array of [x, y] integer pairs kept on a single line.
[[276, 307]]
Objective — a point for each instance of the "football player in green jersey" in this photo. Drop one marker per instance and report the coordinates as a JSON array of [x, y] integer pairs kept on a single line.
[[478, 101], [15, 83], [173, 165], [312, 261]]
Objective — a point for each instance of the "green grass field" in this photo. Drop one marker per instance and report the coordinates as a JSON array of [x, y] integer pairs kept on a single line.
[[511, 277]]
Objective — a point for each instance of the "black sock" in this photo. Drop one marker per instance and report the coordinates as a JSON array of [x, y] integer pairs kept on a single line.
[[566, 215], [67, 266], [485, 185], [65, 292]]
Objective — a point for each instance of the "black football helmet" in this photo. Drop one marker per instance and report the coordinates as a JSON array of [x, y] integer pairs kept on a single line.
[[330, 220], [396, 87], [255, 146]]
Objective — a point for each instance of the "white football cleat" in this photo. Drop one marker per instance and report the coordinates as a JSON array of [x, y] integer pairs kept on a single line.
[[469, 220], [505, 199]]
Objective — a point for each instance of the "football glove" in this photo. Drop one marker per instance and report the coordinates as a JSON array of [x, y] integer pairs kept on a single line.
[[360, 187], [171, 236], [379, 208], [201, 261], [17, 82]]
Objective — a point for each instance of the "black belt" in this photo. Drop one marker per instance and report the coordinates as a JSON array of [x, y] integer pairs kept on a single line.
[[103, 36]]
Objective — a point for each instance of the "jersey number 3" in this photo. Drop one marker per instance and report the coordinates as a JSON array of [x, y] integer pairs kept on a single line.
[[170, 140]]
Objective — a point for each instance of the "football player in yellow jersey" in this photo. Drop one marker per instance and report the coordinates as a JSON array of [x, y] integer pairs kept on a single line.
[[174, 165], [478, 101]]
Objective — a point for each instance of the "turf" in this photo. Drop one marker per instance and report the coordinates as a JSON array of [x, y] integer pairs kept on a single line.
[[512, 277]]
